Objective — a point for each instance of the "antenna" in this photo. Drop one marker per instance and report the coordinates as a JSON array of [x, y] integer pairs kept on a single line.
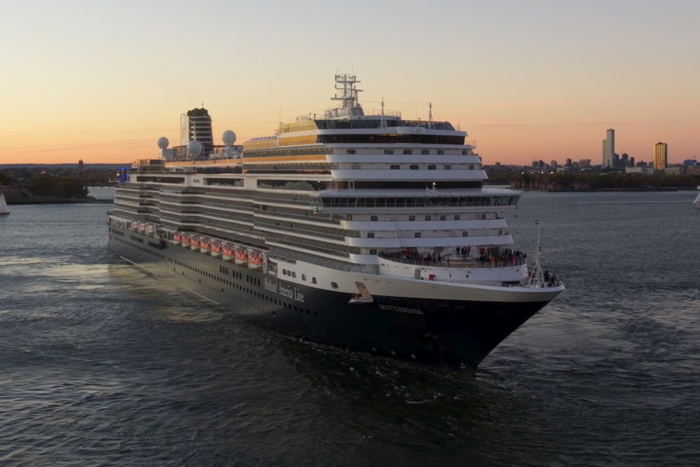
[[430, 115], [349, 97], [537, 277], [381, 122]]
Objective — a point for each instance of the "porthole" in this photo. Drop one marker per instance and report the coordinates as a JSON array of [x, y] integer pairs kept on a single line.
[[334, 285]]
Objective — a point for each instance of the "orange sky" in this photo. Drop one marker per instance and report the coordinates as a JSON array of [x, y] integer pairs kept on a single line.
[[102, 82]]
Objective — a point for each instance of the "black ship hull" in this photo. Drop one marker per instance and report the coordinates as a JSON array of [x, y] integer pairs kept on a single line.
[[448, 333]]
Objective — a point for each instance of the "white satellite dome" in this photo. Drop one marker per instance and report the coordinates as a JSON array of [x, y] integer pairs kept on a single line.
[[229, 137], [194, 148], [163, 142]]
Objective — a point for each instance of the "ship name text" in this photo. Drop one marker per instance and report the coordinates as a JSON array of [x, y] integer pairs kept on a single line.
[[283, 290]]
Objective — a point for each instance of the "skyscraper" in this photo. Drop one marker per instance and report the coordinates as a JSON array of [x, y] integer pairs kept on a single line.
[[660, 156], [609, 149]]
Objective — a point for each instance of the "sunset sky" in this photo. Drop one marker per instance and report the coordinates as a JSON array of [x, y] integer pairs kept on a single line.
[[529, 79]]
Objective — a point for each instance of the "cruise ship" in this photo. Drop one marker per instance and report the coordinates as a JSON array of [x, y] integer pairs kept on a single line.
[[365, 231]]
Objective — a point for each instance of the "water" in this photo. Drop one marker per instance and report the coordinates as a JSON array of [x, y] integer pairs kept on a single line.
[[103, 365]]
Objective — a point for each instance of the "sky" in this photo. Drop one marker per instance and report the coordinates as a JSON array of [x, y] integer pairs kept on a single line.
[[102, 80]]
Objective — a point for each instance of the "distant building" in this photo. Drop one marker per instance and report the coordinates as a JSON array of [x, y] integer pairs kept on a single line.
[[624, 160], [660, 156], [631, 164], [676, 170], [568, 162], [554, 164], [584, 163], [81, 166], [639, 170], [690, 163], [609, 149], [615, 160]]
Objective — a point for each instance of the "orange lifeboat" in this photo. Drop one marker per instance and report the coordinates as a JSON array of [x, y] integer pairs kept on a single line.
[[205, 245], [216, 249], [227, 252], [177, 238], [186, 240], [195, 243], [241, 255], [256, 260]]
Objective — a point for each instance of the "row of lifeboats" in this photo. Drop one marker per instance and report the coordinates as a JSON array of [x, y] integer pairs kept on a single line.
[[241, 255], [146, 228]]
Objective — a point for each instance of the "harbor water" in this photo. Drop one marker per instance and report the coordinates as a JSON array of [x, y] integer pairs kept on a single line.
[[101, 364]]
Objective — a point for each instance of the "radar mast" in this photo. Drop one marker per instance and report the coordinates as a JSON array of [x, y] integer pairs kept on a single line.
[[346, 83]]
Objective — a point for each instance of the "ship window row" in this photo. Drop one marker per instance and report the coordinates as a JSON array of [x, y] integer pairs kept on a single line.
[[313, 245], [143, 178], [296, 214], [223, 182], [436, 233], [391, 139], [301, 227], [273, 152], [410, 202], [415, 167], [465, 233], [311, 185]]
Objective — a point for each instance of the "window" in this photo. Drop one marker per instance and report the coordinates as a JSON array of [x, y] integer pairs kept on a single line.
[[431, 167], [414, 167], [465, 152], [442, 218], [350, 151], [372, 252], [465, 234], [483, 216], [388, 151], [313, 279], [448, 167], [428, 217], [441, 152], [411, 218], [407, 151], [500, 232], [370, 235], [374, 218], [284, 272], [425, 151], [356, 166], [334, 285], [395, 167], [303, 277], [417, 234], [456, 217], [471, 167], [294, 274]]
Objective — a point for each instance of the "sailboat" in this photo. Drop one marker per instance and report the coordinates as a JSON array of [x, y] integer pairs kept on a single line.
[[3, 205], [697, 200]]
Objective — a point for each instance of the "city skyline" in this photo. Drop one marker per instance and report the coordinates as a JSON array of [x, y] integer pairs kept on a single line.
[[102, 82]]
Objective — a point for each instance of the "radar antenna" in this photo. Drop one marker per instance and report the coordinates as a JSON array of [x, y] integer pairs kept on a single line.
[[537, 276], [346, 83]]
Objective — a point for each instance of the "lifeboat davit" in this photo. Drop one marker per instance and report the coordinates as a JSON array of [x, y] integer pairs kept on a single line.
[[255, 261], [142, 227], [195, 243], [241, 255], [216, 249], [150, 230], [186, 240], [205, 245], [177, 238], [228, 253]]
